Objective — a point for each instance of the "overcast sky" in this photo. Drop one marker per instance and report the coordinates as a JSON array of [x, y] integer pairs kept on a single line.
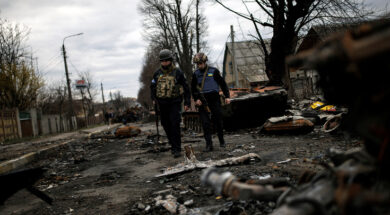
[[112, 45]]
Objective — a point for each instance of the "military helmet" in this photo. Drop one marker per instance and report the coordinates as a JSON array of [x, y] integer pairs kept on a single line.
[[200, 58], [166, 54]]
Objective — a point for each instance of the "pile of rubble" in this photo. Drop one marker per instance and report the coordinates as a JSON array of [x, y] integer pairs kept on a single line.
[[351, 184], [304, 115], [356, 181]]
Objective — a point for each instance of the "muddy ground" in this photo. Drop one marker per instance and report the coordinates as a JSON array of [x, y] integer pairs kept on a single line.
[[117, 176]]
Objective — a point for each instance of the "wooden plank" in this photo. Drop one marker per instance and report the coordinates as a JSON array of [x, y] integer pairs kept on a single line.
[[14, 124], [2, 123], [8, 124]]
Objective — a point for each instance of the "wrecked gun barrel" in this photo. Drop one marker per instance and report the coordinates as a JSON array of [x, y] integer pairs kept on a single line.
[[12, 182], [314, 198], [227, 184], [353, 69]]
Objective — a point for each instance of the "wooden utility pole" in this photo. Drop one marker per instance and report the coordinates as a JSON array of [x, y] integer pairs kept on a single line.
[[236, 85], [197, 27], [104, 103], [71, 111]]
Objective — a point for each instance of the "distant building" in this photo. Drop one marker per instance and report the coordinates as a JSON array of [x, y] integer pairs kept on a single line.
[[249, 58], [250, 63]]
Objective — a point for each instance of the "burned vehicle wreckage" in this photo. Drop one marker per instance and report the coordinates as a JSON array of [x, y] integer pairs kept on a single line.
[[252, 109], [354, 71], [248, 108]]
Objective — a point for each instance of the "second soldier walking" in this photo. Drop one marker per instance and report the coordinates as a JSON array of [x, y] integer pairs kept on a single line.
[[205, 85]]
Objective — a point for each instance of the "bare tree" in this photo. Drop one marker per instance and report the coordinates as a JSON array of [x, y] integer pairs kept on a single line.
[[201, 27], [172, 24], [45, 99], [52, 99], [19, 82], [111, 97], [118, 101], [151, 62], [287, 19]]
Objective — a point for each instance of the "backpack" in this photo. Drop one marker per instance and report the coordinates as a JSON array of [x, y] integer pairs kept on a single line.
[[167, 87]]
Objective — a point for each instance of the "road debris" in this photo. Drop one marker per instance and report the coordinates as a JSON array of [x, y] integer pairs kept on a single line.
[[285, 161], [127, 131], [349, 188], [191, 163], [332, 123], [189, 202], [170, 204], [323, 107], [288, 124], [228, 185]]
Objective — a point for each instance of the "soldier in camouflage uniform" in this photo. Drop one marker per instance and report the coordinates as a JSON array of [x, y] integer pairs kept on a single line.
[[168, 88]]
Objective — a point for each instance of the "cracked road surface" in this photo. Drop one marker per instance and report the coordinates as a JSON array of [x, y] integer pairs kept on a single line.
[[117, 176]]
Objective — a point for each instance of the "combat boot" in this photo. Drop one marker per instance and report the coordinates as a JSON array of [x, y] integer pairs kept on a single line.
[[222, 143], [176, 154], [208, 148]]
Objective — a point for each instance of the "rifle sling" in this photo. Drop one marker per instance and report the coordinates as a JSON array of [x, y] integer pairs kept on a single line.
[[204, 77], [201, 88]]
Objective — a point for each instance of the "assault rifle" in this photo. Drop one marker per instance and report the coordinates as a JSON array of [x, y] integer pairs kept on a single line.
[[156, 110], [204, 102]]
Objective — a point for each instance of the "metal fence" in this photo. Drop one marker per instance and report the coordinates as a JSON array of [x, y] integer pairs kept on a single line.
[[192, 121], [8, 124], [92, 120]]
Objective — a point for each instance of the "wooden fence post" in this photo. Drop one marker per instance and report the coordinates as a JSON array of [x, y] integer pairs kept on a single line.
[[2, 123], [17, 119]]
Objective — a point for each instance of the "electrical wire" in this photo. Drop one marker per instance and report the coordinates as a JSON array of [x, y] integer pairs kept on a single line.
[[45, 71], [222, 51], [53, 60], [74, 67]]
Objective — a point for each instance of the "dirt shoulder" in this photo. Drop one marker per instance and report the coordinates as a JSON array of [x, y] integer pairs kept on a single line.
[[11, 151]]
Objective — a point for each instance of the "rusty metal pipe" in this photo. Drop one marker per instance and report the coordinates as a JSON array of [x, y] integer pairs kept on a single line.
[[216, 181], [228, 185]]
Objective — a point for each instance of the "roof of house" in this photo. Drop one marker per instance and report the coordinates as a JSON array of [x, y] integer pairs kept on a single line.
[[319, 33], [249, 60], [324, 31]]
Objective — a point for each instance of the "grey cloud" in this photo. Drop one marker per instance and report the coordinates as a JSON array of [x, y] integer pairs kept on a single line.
[[112, 47]]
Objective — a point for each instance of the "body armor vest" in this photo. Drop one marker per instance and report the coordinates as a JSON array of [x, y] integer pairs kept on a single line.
[[210, 85], [167, 86]]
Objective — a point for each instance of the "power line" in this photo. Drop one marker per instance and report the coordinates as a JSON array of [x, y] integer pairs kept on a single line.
[[74, 67], [44, 71], [222, 50], [242, 32], [54, 57], [53, 60]]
